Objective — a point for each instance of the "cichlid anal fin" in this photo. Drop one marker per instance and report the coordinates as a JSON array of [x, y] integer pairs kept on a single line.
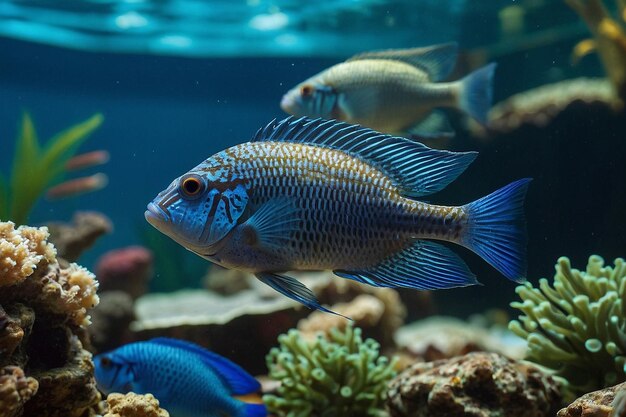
[[254, 410], [272, 223], [437, 60], [424, 265], [415, 168], [293, 289], [436, 125], [238, 380]]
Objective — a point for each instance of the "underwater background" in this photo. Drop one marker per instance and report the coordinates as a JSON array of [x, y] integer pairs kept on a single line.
[[177, 81]]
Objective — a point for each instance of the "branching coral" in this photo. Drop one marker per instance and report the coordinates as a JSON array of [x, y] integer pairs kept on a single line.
[[36, 167], [339, 376], [15, 390], [577, 326], [21, 251]]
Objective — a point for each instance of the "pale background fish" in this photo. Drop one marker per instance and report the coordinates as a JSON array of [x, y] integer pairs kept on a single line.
[[315, 194], [394, 91]]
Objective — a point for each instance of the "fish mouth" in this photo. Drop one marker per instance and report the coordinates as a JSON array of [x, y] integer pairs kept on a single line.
[[287, 104], [155, 215]]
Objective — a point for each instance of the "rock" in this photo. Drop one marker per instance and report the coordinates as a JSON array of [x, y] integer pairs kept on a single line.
[[111, 320], [243, 326], [608, 402], [72, 239], [446, 337], [134, 405], [474, 385]]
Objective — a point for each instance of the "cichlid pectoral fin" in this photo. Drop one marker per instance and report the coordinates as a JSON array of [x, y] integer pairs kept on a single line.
[[437, 60], [272, 223], [424, 265], [293, 289], [436, 125], [236, 379]]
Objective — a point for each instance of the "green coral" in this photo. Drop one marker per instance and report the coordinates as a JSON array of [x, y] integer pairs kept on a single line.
[[36, 166], [577, 327], [339, 376]]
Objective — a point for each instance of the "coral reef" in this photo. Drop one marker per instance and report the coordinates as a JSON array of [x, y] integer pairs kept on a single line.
[[127, 269], [539, 106], [445, 337], [71, 239], [339, 376], [475, 385], [576, 326], [15, 390], [607, 402], [36, 167], [43, 315], [111, 320], [134, 405]]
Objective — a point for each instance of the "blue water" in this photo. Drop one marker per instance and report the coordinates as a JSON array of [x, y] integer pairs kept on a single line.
[[169, 105]]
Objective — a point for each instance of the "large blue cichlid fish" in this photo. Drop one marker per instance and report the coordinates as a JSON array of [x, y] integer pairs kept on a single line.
[[188, 381], [324, 195]]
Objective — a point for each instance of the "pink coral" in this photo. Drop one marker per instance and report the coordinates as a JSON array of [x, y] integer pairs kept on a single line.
[[127, 269]]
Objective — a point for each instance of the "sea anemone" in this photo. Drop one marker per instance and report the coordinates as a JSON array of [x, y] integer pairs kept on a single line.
[[577, 327], [338, 376]]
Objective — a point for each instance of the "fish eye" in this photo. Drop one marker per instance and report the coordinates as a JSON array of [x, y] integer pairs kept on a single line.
[[191, 185], [105, 361], [306, 90]]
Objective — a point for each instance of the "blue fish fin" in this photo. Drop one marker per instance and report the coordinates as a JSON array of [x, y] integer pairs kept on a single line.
[[436, 125], [273, 222], [424, 265], [476, 93], [293, 289], [236, 379], [415, 168], [254, 410], [437, 60], [497, 229]]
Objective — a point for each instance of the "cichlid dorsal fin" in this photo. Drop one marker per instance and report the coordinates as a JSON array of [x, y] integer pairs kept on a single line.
[[415, 168], [236, 379], [437, 60]]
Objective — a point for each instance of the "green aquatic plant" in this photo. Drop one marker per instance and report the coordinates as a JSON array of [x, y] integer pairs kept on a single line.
[[576, 328], [339, 376], [37, 166]]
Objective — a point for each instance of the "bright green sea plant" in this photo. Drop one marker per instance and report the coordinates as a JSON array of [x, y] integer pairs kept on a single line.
[[576, 328], [37, 166], [340, 376]]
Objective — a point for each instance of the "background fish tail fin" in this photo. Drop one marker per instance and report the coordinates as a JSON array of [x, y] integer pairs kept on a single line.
[[254, 410], [497, 229], [476, 93]]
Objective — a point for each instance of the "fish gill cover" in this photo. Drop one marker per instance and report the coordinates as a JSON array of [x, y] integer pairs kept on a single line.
[[230, 28]]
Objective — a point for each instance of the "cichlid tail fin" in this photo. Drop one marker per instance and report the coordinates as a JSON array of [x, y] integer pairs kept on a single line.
[[497, 229], [476, 93], [254, 410]]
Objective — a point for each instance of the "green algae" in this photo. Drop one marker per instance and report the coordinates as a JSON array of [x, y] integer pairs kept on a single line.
[[37, 166]]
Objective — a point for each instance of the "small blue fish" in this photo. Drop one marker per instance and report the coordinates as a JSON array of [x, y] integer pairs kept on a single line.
[[322, 195], [188, 381]]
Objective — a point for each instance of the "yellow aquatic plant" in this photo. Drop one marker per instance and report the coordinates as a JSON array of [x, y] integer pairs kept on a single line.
[[37, 166]]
